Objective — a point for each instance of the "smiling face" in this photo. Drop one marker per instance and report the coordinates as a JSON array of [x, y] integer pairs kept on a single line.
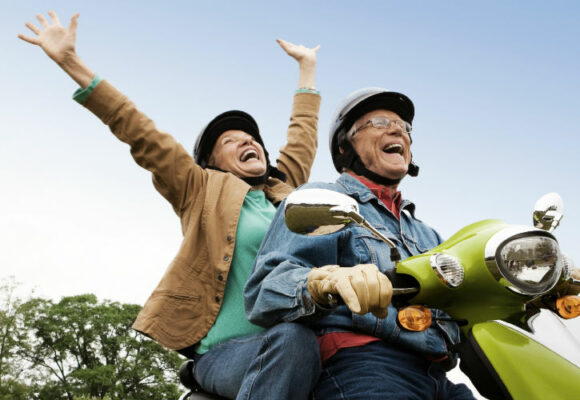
[[386, 152], [238, 152]]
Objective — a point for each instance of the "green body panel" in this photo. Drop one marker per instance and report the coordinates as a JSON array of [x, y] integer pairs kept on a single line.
[[479, 298], [528, 369]]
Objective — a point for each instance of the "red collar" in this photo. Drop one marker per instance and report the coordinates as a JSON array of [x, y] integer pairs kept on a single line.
[[383, 193]]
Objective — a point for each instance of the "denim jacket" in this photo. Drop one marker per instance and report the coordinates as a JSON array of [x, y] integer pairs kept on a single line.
[[276, 290]]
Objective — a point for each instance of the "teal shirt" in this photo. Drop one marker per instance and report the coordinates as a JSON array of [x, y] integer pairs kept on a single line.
[[255, 217]]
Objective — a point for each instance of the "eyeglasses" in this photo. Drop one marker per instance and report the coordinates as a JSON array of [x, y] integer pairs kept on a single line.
[[382, 123]]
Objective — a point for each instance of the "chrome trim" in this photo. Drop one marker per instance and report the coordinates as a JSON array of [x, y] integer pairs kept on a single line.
[[497, 240], [516, 290], [439, 272], [185, 396], [568, 266], [409, 290], [501, 236], [549, 331]]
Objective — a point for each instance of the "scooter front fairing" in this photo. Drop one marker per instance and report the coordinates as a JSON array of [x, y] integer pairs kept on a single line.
[[506, 362]]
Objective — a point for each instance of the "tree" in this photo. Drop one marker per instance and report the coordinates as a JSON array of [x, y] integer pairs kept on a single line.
[[12, 331], [80, 347]]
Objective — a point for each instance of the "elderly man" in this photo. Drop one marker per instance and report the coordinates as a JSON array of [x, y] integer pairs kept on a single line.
[[366, 355]]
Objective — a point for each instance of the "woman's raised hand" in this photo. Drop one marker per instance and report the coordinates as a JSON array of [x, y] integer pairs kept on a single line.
[[306, 58], [300, 53], [57, 41]]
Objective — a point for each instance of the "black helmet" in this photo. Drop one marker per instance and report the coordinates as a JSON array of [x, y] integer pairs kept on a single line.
[[237, 120], [356, 105], [226, 121]]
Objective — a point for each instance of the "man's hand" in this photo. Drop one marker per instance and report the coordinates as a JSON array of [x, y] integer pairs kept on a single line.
[[56, 41], [362, 287], [306, 58]]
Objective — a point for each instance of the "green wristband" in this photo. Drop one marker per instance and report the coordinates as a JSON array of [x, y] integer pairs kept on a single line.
[[307, 90], [81, 95]]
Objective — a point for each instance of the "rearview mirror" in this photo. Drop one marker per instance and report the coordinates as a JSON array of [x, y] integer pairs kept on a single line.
[[318, 211], [548, 212]]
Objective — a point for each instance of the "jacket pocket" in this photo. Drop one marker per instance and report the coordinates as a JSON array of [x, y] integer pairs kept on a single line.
[[414, 245], [175, 311], [372, 250]]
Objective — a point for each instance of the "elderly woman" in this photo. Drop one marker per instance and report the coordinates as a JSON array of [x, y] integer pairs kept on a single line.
[[225, 197]]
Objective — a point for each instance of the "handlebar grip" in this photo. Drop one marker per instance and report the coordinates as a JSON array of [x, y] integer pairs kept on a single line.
[[334, 300], [402, 285], [392, 275]]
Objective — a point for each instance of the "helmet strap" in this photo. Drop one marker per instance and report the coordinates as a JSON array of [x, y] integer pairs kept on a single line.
[[255, 180], [258, 180], [413, 168], [351, 160], [359, 168]]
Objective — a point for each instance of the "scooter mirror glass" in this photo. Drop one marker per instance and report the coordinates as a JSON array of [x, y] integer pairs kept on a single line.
[[548, 212], [319, 211]]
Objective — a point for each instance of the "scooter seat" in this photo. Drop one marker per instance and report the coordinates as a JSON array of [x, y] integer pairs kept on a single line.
[[188, 380]]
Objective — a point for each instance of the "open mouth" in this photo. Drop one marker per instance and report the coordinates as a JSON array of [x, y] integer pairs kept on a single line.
[[248, 155], [393, 148]]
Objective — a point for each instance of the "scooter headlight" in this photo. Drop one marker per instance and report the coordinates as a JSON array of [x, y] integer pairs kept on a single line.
[[527, 262]]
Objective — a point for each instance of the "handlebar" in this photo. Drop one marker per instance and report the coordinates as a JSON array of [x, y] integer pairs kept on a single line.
[[402, 285]]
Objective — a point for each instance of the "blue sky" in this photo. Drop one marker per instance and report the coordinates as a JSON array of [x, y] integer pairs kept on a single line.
[[494, 83]]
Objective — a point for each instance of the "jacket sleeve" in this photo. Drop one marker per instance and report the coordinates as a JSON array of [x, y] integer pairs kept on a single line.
[[276, 289], [297, 156], [175, 174]]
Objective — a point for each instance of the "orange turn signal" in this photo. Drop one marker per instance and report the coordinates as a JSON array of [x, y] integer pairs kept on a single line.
[[568, 306], [415, 318]]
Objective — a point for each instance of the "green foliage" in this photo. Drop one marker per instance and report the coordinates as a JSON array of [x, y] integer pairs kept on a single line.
[[80, 348], [13, 390], [91, 398], [12, 333]]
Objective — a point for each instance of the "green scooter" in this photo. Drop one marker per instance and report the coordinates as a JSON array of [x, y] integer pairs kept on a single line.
[[491, 277]]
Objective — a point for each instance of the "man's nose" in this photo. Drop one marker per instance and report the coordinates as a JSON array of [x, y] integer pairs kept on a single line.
[[395, 130]]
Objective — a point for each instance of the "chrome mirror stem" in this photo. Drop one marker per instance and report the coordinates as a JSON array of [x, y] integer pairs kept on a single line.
[[354, 216]]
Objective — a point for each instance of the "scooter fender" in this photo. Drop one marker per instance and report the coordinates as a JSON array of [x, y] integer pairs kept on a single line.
[[506, 362]]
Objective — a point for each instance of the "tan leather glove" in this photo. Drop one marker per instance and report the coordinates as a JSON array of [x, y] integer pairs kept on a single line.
[[362, 287]]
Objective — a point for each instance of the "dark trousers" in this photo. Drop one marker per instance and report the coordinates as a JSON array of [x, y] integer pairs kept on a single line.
[[379, 371]]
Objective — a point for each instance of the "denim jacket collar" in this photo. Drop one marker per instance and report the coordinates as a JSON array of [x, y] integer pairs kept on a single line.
[[355, 188]]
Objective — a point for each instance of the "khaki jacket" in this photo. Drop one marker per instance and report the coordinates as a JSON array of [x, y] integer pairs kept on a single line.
[[184, 306]]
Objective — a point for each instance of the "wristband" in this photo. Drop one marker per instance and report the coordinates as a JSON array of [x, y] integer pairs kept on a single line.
[[81, 95], [307, 90]]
